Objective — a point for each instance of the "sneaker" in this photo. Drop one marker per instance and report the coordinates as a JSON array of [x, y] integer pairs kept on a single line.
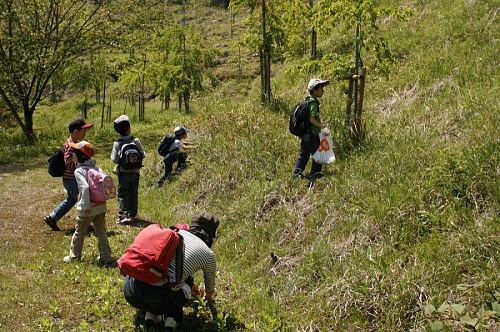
[[124, 221], [69, 259], [297, 174], [170, 324], [51, 222], [111, 263]]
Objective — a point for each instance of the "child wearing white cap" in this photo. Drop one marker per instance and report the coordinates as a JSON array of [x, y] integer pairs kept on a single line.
[[310, 140], [176, 153], [128, 154]]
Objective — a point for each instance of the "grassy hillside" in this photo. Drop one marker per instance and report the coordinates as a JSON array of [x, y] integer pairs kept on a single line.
[[401, 234]]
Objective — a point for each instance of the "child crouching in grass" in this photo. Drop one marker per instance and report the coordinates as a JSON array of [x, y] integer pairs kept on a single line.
[[88, 211]]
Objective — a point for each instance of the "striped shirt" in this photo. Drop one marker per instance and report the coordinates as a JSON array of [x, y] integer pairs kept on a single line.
[[69, 164], [197, 256]]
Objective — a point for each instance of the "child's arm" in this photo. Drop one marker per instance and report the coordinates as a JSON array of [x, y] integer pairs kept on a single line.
[[115, 155], [316, 123], [83, 188]]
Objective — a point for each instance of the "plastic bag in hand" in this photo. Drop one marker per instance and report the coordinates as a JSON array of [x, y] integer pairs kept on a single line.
[[324, 155]]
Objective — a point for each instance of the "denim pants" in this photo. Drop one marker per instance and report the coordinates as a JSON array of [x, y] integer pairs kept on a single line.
[[72, 197], [158, 300], [128, 194], [82, 225], [169, 161], [308, 145]]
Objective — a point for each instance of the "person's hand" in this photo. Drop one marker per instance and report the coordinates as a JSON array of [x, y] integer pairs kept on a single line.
[[325, 131], [198, 290]]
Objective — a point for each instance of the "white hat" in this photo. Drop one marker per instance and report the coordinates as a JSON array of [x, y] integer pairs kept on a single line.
[[181, 130], [314, 82], [122, 118]]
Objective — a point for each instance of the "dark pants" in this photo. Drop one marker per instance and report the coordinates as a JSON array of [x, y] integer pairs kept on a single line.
[[158, 300], [169, 161], [128, 194], [308, 145]]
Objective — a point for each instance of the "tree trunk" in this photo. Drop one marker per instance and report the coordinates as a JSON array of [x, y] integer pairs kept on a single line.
[[103, 102], [84, 108], [314, 41], [186, 100], [53, 96], [13, 110], [314, 35], [97, 95], [167, 101], [262, 76], [180, 102]]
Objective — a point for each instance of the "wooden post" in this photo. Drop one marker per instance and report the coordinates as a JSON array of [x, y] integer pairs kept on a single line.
[[348, 112], [357, 126], [103, 102]]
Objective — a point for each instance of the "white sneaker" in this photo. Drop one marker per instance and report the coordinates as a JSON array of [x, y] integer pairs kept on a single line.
[[69, 259], [170, 324]]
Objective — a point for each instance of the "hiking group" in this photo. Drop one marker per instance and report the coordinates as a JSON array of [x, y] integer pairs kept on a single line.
[[159, 265]]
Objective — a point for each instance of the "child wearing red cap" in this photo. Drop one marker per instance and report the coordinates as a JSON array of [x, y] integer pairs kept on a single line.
[[77, 131]]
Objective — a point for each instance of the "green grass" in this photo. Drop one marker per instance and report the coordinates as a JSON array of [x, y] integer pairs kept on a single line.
[[396, 229]]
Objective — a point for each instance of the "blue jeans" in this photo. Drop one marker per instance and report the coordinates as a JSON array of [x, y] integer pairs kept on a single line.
[[159, 300], [308, 145], [128, 194], [169, 161], [72, 191]]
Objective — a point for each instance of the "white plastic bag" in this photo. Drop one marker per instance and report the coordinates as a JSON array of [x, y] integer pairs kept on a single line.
[[324, 155]]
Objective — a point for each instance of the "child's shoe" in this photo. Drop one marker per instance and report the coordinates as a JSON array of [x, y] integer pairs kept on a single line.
[[51, 222], [69, 259], [109, 263], [170, 324]]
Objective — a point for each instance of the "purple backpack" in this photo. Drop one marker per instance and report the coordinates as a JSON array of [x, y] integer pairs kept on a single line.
[[101, 186]]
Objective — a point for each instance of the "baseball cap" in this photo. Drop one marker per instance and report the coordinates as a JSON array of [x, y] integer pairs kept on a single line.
[[206, 221], [84, 146], [78, 124], [181, 130], [314, 82], [121, 118]]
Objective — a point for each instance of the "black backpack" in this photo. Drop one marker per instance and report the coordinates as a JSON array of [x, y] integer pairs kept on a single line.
[[299, 119], [130, 154], [164, 147], [56, 164]]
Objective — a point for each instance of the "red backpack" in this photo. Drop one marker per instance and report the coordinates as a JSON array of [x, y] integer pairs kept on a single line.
[[148, 258]]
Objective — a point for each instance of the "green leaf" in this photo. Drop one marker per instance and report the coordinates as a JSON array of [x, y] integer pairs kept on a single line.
[[444, 307], [429, 309], [468, 320], [495, 306], [458, 308], [436, 325], [463, 287]]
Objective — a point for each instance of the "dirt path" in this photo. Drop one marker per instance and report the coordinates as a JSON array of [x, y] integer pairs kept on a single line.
[[36, 287]]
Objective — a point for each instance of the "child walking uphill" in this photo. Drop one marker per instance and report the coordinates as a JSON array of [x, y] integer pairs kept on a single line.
[[310, 140], [128, 154], [88, 211], [173, 149]]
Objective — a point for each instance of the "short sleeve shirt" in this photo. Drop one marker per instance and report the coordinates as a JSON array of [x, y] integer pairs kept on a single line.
[[314, 112]]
